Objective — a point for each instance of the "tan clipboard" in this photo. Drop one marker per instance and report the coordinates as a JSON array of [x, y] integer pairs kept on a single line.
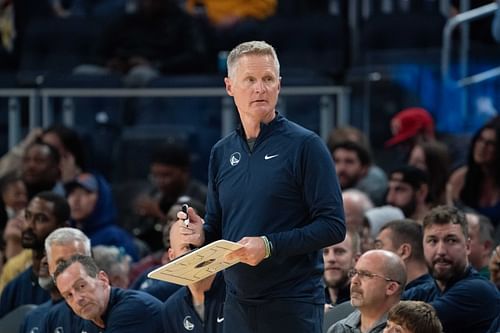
[[198, 264]]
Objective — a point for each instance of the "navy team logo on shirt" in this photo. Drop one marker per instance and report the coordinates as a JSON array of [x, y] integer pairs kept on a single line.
[[187, 323], [235, 158]]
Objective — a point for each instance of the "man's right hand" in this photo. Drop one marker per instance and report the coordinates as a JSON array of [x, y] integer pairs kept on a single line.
[[192, 232]]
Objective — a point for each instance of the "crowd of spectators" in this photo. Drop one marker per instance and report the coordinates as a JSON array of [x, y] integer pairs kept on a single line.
[[407, 220]]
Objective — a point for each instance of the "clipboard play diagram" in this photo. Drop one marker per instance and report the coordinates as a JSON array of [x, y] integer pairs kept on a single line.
[[197, 265]]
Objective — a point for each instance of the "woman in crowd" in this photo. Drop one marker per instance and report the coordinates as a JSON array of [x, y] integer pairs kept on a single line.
[[477, 184], [433, 157]]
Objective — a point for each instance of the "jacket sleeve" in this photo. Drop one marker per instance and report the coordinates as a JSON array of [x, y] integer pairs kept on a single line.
[[212, 227], [321, 193]]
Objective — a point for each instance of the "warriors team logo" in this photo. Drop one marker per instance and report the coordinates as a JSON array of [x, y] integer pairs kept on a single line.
[[187, 323], [235, 158]]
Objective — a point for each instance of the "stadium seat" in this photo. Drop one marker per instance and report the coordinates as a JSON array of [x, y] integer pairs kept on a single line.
[[12, 321], [337, 313]]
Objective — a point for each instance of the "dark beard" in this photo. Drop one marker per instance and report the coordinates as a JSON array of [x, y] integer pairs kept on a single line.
[[410, 208], [339, 284], [34, 243], [350, 182], [454, 272]]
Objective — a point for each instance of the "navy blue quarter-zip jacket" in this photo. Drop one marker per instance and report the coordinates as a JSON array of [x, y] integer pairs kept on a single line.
[[285, 189], [180, 316]]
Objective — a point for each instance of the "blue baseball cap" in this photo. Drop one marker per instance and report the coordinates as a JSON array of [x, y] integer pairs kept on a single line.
[[86, 181]]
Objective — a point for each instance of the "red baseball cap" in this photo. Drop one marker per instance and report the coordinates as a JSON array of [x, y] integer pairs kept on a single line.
[[408, 123]]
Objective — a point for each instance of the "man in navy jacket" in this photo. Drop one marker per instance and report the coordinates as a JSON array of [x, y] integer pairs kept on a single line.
[[60, 245], [87, 291], [198, 307], [272, 187], [464, 301]]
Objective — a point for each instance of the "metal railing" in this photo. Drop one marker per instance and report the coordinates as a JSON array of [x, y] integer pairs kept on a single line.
[[463, 19], [333, 111], [14, 111]]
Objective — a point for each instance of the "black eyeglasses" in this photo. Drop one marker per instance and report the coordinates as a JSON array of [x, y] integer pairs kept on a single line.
[[368, 275]]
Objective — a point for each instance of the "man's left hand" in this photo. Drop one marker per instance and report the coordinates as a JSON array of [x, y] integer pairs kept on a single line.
[[252, 252]]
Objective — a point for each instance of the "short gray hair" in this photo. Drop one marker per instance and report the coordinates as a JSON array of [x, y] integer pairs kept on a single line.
[[251, 48], [361, 198], [111, 259], [64, 236]]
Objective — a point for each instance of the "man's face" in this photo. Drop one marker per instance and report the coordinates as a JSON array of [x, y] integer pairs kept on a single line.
[[177, 248], [401, 195], [369, 292], [84, 294], [62, 252], [40, 222], [255, 86], [82, 203], [384, 241], [38, 165], [338, 259], [169, 179], [446, 250], [348, 167]]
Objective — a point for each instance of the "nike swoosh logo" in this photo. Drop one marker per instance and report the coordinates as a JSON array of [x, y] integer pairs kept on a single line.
[[268, 157], [220, 320]]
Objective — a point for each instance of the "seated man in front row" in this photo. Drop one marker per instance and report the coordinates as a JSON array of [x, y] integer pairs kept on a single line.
[[377, 282], [198, 307], [87, 291]]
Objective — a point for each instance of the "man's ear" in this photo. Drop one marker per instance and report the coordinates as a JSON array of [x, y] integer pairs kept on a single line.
[[229, 86], [404, 251], [392, 288], [488, 246], [171, 254], [102, 276]]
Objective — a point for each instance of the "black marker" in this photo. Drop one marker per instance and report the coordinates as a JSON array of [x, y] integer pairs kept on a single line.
[[184, 208]]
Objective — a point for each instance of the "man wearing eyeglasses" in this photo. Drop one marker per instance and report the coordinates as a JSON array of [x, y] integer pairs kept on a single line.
[[377, 282]]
